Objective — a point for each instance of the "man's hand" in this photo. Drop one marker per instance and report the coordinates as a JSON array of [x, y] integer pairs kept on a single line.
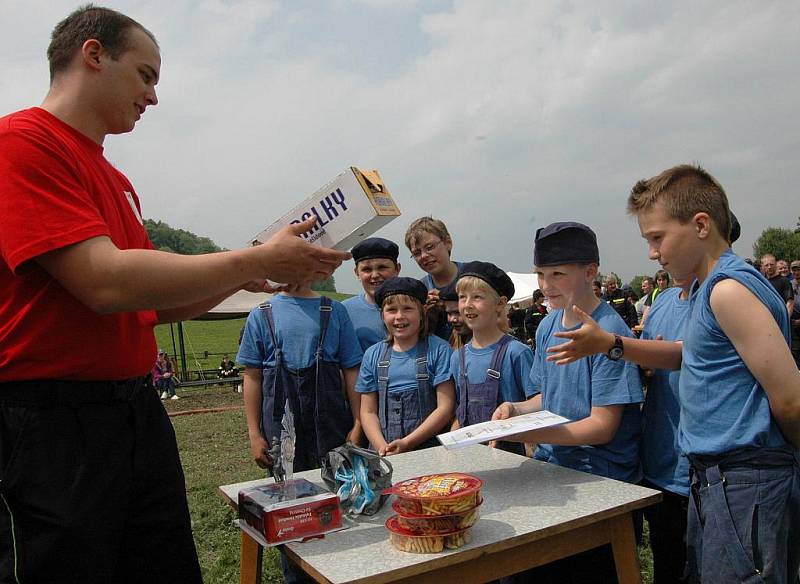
[[288, 259], [259, 449], [589, 339]]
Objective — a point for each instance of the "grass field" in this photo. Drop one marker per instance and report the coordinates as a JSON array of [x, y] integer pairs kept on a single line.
[[215, 451]]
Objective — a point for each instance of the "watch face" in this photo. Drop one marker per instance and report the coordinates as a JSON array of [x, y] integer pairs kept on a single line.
[[615, 353]]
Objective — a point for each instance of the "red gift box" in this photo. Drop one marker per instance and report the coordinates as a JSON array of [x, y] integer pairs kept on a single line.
[[294, 510]]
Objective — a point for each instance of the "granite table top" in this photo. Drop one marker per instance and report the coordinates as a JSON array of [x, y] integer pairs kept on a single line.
[[524, 500]]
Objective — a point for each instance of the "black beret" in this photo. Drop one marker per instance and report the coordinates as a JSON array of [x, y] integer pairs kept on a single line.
[[401, 285], [448, 293], [375, 247], [566, 242], [736, 229], [492, 275]]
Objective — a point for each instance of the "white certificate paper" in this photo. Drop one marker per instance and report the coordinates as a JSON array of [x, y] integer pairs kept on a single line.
[[498, 429]]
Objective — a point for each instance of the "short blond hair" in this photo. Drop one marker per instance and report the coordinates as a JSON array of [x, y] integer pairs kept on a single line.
[[426, 225], [684, 191], [470, 283], [423, 321]]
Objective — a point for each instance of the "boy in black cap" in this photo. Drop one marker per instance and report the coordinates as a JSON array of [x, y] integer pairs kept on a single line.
[[600, 394], [407, 391], [460, 334], [375, 262], [493, 367]]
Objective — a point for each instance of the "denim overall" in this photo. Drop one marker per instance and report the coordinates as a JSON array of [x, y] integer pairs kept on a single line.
[[321, 412], [401, 413], [479, 400], [744, 515]]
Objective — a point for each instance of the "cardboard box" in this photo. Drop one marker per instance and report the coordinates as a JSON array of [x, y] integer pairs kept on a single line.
[[350, 208], [290, 511]]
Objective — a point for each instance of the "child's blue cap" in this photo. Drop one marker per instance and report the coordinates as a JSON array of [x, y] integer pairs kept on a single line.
[[401, 285], [566, 242]]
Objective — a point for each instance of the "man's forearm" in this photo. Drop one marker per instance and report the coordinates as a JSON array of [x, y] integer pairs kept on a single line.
[[189, 312]]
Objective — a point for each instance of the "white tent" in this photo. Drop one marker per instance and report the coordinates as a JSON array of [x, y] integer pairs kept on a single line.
[[237, 305], [524, 287]]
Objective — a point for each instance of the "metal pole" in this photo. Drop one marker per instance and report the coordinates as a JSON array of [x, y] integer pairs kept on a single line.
[[184, 376]]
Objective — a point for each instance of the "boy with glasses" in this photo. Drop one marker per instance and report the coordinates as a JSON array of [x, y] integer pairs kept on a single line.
[[430, 245]]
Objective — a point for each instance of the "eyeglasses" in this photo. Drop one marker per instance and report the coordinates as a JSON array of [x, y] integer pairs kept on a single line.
[[427, 249]]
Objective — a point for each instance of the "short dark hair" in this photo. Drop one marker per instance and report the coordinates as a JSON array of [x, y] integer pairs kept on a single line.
[[107, 26]]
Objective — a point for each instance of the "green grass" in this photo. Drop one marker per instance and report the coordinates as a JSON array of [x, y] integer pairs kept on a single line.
[[215, 451]]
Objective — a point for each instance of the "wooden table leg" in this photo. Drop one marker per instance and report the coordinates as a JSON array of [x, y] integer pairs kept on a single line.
[[623, 542], [251, 555]]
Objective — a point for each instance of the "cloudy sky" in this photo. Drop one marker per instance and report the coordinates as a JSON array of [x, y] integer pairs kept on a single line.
[[498, 117]]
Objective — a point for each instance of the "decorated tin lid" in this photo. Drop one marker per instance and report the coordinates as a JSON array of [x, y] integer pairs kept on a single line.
[[437, 486]]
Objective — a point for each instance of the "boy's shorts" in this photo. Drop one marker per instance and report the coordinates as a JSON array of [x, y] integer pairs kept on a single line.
[[744, 519], [91, 486]]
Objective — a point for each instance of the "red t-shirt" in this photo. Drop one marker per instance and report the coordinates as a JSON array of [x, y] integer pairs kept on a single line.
[[57, 189]]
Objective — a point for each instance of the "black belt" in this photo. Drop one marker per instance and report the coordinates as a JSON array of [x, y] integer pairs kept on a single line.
[[746, 458], [59, 392]]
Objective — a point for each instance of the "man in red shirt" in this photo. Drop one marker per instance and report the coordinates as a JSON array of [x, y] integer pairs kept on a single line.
[[91, 487]]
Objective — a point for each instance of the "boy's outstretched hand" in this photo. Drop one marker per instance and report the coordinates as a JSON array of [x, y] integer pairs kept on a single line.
[[589, 339]]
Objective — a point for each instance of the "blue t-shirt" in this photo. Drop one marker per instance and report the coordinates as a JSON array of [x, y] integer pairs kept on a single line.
[[663, 464], [367, 320], [515, 369], [571, 391], [403, 367], [428, 279], [297, 329], [723, 407]]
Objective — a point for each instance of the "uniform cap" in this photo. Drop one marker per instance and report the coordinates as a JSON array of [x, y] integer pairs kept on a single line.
[[492, 275], [401, 285], [375, 247], [736, 229], [566, 242]]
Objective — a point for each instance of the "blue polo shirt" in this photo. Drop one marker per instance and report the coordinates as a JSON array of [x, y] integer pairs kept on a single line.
[[297, 330], [571, 391], [367, 320], [663, 464]]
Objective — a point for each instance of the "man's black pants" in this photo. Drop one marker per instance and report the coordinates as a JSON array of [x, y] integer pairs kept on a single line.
[[91, 486]]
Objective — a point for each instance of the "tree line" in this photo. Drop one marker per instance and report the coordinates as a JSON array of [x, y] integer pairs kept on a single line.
[[167, 238]]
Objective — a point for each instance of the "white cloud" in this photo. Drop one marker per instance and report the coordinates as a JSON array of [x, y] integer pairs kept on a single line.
[[497, 117]]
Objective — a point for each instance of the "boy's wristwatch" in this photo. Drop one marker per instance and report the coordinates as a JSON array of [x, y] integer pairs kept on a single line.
[[616, 351]]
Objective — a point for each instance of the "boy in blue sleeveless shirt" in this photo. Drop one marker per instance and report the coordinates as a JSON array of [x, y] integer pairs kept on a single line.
[[376, 262], [601, 395], [739, 389]]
